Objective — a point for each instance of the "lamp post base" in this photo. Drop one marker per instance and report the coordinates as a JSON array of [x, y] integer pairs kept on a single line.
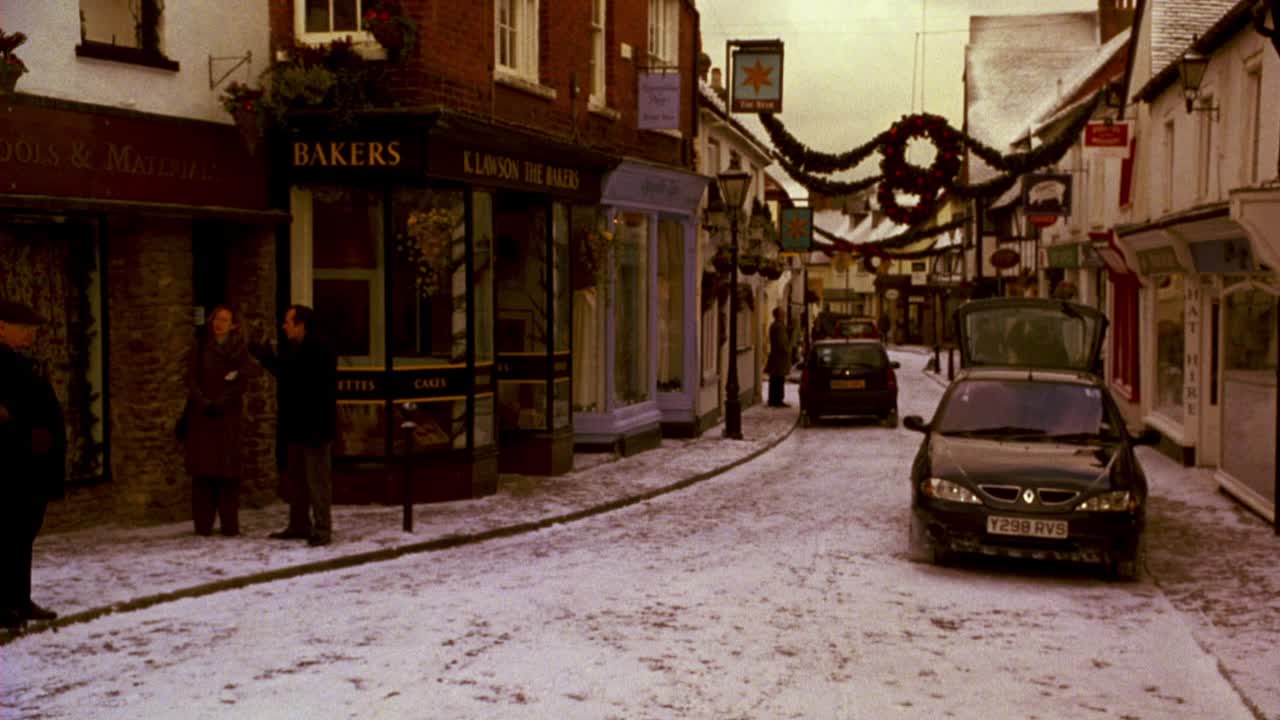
[[733, 419]]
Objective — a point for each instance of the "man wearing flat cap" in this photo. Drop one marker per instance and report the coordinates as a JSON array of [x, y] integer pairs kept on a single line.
[[33, 450]]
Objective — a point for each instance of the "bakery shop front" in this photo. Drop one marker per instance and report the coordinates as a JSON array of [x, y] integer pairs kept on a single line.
[[436, 250]]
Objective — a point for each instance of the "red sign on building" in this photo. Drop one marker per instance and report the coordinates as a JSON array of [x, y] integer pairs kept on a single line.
[[1107, 139]]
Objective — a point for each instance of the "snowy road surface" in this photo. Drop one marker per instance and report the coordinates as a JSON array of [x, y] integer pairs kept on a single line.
[[779, 589]]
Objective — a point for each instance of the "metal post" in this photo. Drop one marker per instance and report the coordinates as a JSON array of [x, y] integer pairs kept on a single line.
[[732, 405], [406, 490], [951, 363]]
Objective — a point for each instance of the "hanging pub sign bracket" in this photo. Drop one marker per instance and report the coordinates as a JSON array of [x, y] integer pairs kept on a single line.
[[755, 75], [245, 59]]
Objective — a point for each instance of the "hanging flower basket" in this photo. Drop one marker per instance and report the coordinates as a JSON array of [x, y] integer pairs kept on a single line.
[[244, 103], [771, 269], [395, 31], [748, 264], [722, 261], [11, 66]]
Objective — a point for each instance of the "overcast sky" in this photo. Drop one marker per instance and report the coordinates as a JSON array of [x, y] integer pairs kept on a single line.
[[851, 67]]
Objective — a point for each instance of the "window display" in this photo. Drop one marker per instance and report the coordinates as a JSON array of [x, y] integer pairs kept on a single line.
[[1170, 345], [671, 306], [631, 310]]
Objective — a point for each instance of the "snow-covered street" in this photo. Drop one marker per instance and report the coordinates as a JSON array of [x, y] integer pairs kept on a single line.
[[777, 589]]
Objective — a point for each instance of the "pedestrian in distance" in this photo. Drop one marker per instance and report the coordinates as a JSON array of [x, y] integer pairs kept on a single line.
[[779, 361], [306, 372], [215, 399], [33, 449]]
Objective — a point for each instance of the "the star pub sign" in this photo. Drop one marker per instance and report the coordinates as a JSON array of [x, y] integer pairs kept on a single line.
[[757, 76]]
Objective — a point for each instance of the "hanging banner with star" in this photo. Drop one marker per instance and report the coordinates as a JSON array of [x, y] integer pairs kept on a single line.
[[757, 76], [797, 229]]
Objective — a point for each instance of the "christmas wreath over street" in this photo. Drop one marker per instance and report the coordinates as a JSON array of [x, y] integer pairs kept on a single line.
[[931, 185]]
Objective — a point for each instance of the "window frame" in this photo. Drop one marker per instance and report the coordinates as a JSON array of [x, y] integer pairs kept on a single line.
[[597, 95], [1251, 167], [149, 50], [1169, 146], [663, 35], [358, 36], [524, 25], [1204, 154]]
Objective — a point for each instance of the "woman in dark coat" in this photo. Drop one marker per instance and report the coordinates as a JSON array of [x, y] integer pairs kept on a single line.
[[779, 362], [216, 390]]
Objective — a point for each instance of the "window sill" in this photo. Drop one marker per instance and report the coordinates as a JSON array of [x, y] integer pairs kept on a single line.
[[604, 111], [517, 82], [129, 55]]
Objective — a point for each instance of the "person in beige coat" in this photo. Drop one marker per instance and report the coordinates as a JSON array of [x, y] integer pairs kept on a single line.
[[213, 423]]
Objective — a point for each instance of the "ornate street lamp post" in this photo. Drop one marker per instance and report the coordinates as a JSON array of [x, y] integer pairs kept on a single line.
[[733, 188]]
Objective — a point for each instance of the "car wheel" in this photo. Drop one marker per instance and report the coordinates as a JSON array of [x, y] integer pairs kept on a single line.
[[890, 420], [920, 547], [1127, 567]]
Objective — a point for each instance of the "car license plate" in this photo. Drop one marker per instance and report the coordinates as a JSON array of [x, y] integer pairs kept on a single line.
[[848, 384], [1026, 527]]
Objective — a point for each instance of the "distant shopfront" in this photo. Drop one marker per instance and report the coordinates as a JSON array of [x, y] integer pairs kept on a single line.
[[437, 252]]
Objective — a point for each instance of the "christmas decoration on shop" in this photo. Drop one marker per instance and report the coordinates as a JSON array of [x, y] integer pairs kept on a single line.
[[901, 240], [394, 30], [932, 184], [11, 66], [244, 103]]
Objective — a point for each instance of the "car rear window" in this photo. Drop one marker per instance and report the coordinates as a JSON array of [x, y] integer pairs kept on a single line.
[[1051, 408], [849, 356]]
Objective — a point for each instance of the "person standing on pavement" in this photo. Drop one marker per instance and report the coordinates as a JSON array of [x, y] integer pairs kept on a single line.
[[779, 362], [214, 403], [306, 371], [33, 449]]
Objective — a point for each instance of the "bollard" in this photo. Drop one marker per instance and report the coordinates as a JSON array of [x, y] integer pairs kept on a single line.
[[951, 364], [406, 490], [937, 358]]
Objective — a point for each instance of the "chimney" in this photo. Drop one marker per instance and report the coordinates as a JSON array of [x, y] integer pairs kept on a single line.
[[1114, 17]]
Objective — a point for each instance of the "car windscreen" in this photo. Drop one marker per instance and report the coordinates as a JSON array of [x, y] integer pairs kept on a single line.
[[853, 356], [1024, 407]]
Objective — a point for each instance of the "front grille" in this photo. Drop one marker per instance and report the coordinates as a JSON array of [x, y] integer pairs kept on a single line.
[[1007, 493], [1049, 496]]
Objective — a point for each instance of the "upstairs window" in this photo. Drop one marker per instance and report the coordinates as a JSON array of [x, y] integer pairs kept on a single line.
[[322, 21], [1253, 124], [124, 30], [664, 33], [598, 54], [1168, 145], [516, 38], [1205, 161]]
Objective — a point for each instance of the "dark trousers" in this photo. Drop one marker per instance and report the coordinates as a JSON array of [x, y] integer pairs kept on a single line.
[[215, 495], [308, 487], [22, 520], [777, 386]]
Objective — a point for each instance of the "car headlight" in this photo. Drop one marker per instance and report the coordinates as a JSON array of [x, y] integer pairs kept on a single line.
[[1117, 501], [940, 489]]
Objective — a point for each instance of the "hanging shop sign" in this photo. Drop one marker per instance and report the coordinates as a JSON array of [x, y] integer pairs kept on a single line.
[[1046, 197], [757, 76], [1005, 258], [1063, 256], [1107, 139], [659, 101], [797, 229], [1104, 246]]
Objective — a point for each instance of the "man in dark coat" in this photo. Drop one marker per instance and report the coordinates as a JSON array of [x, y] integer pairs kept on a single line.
[[779, 362], [33, 443], [306, 371]]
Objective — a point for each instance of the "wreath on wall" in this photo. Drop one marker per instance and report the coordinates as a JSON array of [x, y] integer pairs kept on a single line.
[[425, 245], [901, 177]]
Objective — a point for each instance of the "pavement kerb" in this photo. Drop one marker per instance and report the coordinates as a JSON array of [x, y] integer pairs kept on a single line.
[[346, 561]]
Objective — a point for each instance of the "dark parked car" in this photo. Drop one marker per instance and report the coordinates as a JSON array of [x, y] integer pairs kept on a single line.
[[1027, 454], [849, 377]]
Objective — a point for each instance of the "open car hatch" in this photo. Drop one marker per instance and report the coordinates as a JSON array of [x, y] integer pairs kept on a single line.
[[1030, 332]]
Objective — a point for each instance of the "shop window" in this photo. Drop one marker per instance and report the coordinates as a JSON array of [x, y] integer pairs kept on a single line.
[[1170, 345], [592, 248], [522, 323], [428, 322], [516, 38], [124, 31], [56, 269], [630, 301], [671, 306], [561, 314], [599, 53], [344, 249], [1250, 334], [664, 33], [484, 428]]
